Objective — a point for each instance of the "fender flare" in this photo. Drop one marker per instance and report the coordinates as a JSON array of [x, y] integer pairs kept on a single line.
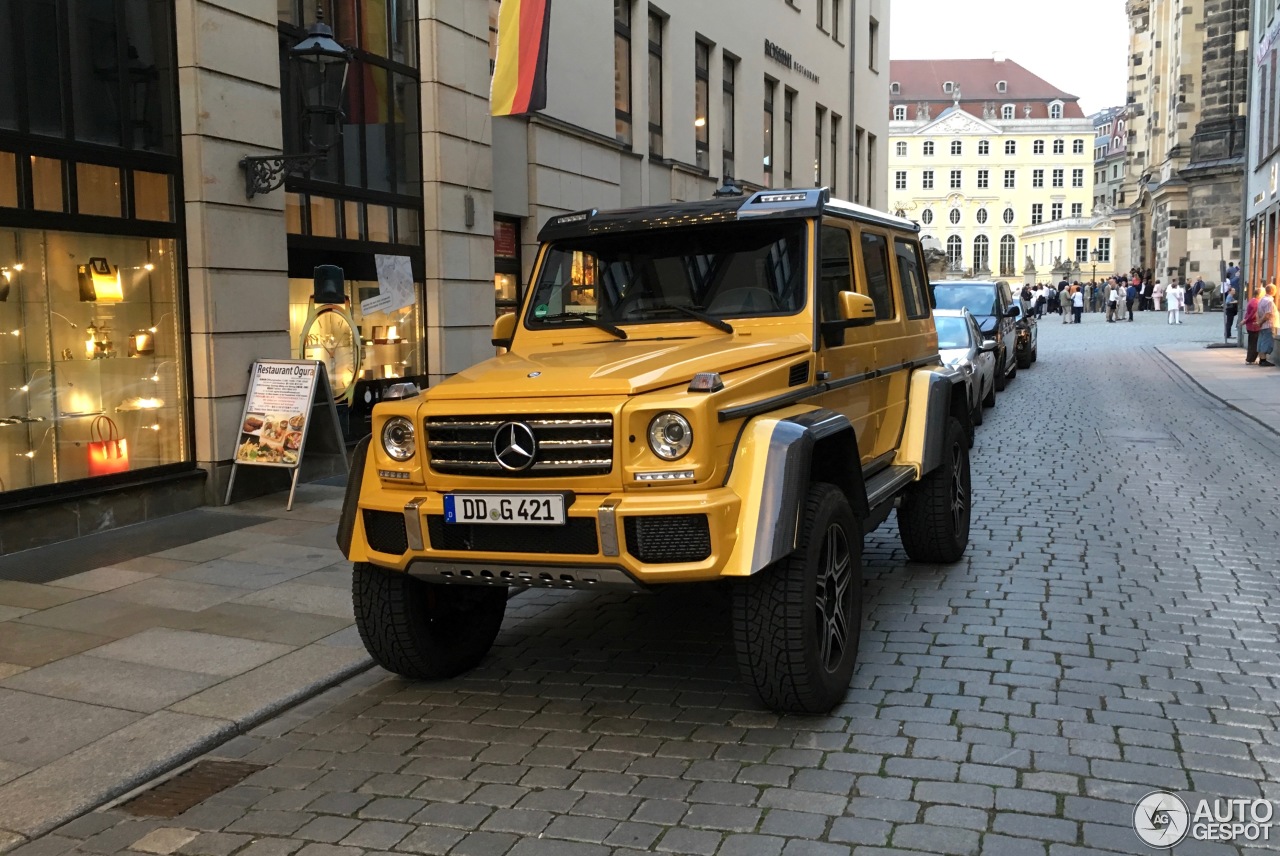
[[351, 498], [773, 463], [932, 397]]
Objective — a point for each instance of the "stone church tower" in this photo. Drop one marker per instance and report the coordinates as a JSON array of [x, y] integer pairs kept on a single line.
[[1182, 195]]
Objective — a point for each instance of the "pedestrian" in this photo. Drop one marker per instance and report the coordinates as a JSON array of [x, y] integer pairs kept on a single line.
[[1177, 296], [1066, 300], [1113, 301], [1077, 303], [1157, 295], [1268, 324], [1230, 306], [1040, 300], [1093, 296], [1148, 288], [1130, 295], [1197, 296], [1250, 322]]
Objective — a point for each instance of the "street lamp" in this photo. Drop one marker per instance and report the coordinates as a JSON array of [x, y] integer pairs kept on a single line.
[[1095, 257], [320, 65]]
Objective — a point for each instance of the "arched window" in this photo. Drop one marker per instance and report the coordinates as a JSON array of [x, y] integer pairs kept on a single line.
[[1007, 247], [981, 253], [1037, 148], [956, 147], [1055, 110], [955, 251], [901, 148], [1011, 147], [954, 216], [984, 147], [899, 112], [928, 148]]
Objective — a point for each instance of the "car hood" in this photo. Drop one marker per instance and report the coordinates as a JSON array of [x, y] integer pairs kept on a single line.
[[954, 356], [613, 368]]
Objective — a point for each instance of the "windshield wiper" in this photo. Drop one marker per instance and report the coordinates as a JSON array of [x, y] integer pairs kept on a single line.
[[722, 326], [590, 319]]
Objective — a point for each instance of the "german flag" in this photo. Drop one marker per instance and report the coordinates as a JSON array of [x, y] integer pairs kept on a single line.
[[520, 73]]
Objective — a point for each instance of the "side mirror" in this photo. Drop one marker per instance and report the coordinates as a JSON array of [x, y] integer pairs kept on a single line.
[[857, 310], [1012, 312], [987, 346], [504, 330]]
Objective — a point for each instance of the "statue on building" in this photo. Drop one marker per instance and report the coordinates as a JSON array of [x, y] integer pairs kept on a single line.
[[955, 96], [988, 110], [1026, 111], [922, 111]]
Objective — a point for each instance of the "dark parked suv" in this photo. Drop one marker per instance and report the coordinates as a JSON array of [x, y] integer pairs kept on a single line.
[[993, 306]]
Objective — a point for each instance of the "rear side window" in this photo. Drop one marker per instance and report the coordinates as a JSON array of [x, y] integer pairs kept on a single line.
[[836, 271], [875, 263], [914, 299]]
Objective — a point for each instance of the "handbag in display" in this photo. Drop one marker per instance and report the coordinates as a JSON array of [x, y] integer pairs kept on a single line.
[[108, 451]]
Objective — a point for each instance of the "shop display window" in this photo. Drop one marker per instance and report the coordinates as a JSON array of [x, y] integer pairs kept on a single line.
[[91, 373]]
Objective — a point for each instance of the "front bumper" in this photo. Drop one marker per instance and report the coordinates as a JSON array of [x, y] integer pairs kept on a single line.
[[608, 540]]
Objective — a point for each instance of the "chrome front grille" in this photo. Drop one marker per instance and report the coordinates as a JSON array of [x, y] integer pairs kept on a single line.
[[575, 444]]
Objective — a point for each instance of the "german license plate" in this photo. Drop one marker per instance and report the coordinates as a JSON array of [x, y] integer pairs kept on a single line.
[[539, 509]]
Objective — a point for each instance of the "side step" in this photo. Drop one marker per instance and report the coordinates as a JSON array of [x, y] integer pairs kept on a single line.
[[885, 485]]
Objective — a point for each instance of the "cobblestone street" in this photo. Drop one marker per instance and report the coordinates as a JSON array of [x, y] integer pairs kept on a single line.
[[1112, 631]]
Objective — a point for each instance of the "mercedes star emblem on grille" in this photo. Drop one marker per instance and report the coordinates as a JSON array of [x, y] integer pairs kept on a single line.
[[514, 446]]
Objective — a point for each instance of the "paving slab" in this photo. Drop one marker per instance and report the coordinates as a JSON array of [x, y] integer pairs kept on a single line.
[[37, 729], [168, 592], [25, 644], [7, 612], [247, 575], [104, 615], [102, 579], [33, 596], [291, 555], [114, 683], [194, 652], [295, 597], [286, 627]]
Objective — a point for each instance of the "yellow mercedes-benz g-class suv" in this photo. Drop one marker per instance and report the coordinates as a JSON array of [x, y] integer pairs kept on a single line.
[[734, 389]]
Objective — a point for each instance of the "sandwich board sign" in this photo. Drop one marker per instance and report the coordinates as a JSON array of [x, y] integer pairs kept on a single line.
[[285, 398]]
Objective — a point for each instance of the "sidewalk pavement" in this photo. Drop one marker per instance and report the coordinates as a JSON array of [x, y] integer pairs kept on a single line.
[[1222, 372], [111, 676]]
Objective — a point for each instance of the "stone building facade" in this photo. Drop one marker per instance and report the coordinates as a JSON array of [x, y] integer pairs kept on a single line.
[[1184, 180], [1262, 176]]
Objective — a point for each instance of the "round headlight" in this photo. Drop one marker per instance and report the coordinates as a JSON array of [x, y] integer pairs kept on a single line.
[[398, 438], [670, 436]]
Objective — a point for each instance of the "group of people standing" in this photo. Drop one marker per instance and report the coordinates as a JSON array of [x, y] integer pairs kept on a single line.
[[1261, 322], [1117, 296]]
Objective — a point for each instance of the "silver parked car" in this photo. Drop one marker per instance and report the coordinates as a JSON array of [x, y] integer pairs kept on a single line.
[[961, 344]]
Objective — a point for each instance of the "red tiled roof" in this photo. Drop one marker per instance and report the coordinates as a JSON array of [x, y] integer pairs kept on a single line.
[[921, 80]]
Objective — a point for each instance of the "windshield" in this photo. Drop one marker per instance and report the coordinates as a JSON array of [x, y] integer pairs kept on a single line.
[[978, 299], [734, 270], [952, 332]]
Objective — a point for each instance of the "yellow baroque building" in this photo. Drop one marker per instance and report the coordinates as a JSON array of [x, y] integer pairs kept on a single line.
[[996, 165]]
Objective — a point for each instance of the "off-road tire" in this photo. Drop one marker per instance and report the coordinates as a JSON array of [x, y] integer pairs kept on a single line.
[[933, 519], [786, 653], [424, 630], [1002, 379], [990, 399]]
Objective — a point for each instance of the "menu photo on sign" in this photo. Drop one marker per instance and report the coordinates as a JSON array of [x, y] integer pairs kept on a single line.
[[276, 411], [395, 285]]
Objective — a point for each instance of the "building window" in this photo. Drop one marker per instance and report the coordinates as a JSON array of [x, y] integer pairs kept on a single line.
[[926, 179], [954, 216], [981, 216], [984, 179], [900, 149], [837, 13], [1009, 179], [1006, 111], [947, 86], [928, 148], [819, 120], [1059, 147], [1077, 178], [926, 216], [1082, 249], [702, 104], [900, 180], [1008, 216], [622, 70], [1104, 250], [822, 15], [955, 179], [900, 113], [1077, 209], [873, 45], [955, 251], [1037, 178], [835, 151], [1057, 177], [770, 91], [956, 148], [1037, 147], [1037, 213], [981, 253], [788, 139], [984, 147], [655, 85], [895, 88], [1008, 246], [1055, 111], [1077, 147], [1002, 86], [1010, 147], [728, 113], [1055, 211]]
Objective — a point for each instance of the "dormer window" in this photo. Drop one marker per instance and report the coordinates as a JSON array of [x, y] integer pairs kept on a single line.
[[948, 86], [899, 113], [1006, 111], [895, 88], [1055, 110], [1002, 86]]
